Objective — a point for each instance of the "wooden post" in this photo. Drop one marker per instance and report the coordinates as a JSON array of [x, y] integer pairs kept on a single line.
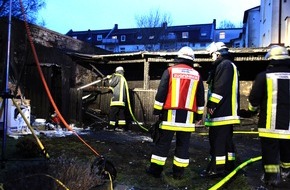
[[146, 74]]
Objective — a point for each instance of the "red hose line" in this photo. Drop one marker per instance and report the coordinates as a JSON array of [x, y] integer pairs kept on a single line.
[[45, 84]]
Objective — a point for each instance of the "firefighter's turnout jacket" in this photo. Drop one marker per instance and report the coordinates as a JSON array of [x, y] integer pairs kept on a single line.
[[223, 93], [180, 98], [118, 87], [271, 94]]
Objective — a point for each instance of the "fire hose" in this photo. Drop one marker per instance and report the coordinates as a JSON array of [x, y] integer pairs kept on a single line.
[[230, 175]]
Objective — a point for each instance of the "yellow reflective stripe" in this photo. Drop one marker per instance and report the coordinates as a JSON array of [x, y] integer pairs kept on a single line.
[[214, 99], [158, 160], [121, 89], [231, 156], [117, 103], [112, 122], [190, 117], [219, 160], [178, 128], [234, 91], [122, 122], [169, 115], [191, 94], [285, 165], [269, 103], [272, 168], [218, 123], [274, 135], [158, 105], [174, 92], [180, 162], [200, 110]]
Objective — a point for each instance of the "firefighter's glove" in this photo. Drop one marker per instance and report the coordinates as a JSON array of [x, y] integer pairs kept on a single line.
[[108, 76], [247, 113], [154, 131]]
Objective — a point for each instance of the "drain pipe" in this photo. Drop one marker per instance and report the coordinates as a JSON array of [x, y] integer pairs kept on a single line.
[[280, 22]]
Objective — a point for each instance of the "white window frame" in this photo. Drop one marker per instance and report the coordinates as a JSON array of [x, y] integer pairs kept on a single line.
[[123, 38], [185, 35]]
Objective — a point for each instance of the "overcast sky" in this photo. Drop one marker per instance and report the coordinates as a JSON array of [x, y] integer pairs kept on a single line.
[[79, 15]]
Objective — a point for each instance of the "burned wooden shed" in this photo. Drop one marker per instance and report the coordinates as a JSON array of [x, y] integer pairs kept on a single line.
[[57, 67], [143, 71]]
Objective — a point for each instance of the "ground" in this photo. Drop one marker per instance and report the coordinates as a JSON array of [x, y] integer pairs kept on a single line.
[[71, 162]]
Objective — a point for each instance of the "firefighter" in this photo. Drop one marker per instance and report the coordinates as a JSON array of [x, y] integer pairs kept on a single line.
[[270, 96], [117, 118], [179, 104], [222, 111]]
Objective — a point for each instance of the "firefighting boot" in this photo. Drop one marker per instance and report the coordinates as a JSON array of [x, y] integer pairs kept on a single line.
[[178, 172], [271, 179], [230, 166], [285, 173], [154, 170]]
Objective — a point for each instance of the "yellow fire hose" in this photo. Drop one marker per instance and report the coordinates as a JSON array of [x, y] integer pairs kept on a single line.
[[230, 175], [129, 104], [31, 129]]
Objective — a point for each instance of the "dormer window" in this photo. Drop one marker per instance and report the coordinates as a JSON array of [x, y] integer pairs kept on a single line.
[[184, 35], [99, 37], [123, 38]]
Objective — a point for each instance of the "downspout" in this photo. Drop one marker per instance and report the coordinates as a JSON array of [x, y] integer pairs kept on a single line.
[[280, 22]]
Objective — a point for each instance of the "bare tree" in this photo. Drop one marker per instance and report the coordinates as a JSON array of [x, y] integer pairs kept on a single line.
[[154, 19], [226, 24], [152, 27], [31, 8]]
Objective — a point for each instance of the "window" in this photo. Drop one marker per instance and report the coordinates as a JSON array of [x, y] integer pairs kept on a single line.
[[139, 37], [75, 37], [222, 35], [203, 34], [151, 37], [99, 37], [184, 35], [123, 38], [114, 37]]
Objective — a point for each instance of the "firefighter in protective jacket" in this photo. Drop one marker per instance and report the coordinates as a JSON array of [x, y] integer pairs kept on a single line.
[[117, 118], [179, 103], [271, 95], [222, 110]]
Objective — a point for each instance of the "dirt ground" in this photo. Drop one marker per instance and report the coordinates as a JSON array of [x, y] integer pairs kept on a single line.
[[129, 152]]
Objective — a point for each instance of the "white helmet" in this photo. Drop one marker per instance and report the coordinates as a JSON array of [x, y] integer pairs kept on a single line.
[[277, 52], [120, 68], [186, 53], [217, 47]]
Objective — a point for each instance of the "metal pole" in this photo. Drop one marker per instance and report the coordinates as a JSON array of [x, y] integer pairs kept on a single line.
[[6, 90]]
